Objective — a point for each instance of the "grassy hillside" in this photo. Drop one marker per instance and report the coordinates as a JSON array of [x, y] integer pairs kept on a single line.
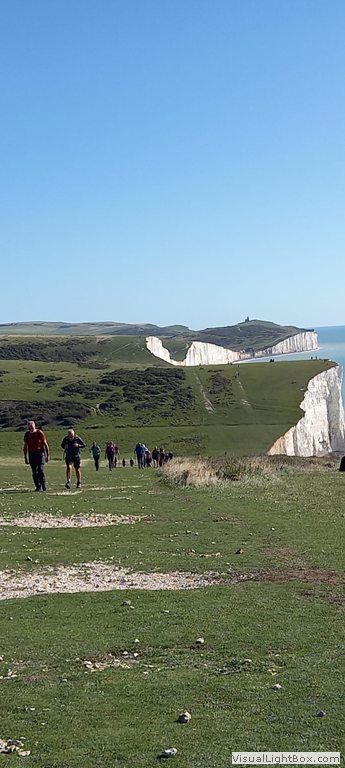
[[250, 336], [93, 351], [114, 388]]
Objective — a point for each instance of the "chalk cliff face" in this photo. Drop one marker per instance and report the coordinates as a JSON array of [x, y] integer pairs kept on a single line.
[[209, 354], [301, 342], [201, 353], [155, 346], [322, 428]]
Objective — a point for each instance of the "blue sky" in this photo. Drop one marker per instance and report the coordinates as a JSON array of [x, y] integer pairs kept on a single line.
[[172, 160]]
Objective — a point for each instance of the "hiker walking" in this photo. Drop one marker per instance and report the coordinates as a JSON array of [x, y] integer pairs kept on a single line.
[[110, 454], [96, 454], [72, 444], [36, 452], [155, 456], [139, 451]]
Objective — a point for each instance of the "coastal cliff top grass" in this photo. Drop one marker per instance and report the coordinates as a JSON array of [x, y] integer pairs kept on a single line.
[[115, 389]]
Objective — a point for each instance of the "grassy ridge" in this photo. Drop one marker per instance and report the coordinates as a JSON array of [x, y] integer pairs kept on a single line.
[[250, 336]]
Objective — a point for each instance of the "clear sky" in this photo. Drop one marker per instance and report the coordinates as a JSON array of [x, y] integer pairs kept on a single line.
[[172, 161]]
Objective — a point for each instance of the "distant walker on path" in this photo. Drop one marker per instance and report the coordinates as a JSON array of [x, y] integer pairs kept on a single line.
[[139, 450], [111, 451], [96, 454], [72, 444], [36, 452]]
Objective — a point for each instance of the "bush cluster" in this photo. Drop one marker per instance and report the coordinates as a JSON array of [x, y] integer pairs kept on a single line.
[[158, 390], [14, 414]]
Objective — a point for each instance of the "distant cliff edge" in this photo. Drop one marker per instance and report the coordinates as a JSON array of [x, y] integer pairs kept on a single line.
[[322, 428], [203, 353]]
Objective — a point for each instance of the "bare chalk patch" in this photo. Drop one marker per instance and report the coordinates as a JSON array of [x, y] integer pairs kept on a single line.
[[74, 521], [65, 493], [14, 489], [109, 660], [93, 577]]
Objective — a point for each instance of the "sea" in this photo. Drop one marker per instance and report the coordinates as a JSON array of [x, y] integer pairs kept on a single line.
[[331, 346]]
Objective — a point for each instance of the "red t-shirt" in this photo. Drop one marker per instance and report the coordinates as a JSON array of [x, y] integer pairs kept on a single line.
[[35, 440]]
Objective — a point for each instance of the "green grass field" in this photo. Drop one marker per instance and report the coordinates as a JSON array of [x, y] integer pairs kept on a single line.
[[115, 389], [268, 549], [287, 618]]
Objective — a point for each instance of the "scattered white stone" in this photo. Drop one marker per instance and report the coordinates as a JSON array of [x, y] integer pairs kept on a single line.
[[13, 745], [276, 687], [321, 713], [200, 641], [171, 752], [184, 717]]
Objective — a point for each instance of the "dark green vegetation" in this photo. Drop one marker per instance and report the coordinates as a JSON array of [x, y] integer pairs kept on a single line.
[[115, 389], [90, 351], [160, 392], [285, 625], [249, 336], [16, 413]]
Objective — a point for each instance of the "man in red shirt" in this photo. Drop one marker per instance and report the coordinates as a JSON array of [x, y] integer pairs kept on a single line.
[[36, 452]]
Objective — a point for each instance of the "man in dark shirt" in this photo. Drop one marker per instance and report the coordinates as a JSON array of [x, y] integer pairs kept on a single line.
[[72, 444], [36, 452]]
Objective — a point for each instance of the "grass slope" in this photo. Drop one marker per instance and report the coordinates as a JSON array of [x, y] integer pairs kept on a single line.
[[113, 388], [291, 631]]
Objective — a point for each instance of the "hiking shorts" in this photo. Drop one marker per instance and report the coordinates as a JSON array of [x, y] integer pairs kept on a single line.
[[75, 461]]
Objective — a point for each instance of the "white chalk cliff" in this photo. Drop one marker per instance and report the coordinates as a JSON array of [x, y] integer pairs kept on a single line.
[[322, 428], [155, 346], [300, 342], [209, 354], [201, 353]]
